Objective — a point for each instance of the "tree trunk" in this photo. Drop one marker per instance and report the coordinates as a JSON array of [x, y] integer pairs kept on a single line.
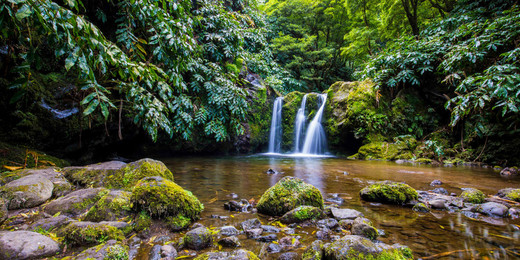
[[410, 8]]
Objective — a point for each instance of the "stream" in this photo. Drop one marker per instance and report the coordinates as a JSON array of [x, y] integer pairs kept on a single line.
[[441, 234]]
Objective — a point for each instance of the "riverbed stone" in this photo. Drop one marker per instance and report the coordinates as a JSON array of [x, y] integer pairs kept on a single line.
[[27, 192], [240, 254], [231, 241], [442, 191], [3, 210], [89, 233], [363, 227], [198, 238], [92, 175], [341, 214], [75, 203], [302, 213], [114, 205], [287, 194], [254, 233], [314, 251], [421, 207], [26, 245], [493, 209], [289, 256], [112, 249], [358, 247], [250, 224], [289, 243], [437, 203], [50, 223], [329, 223], [436, 183], [510, 194], [168, 252], [229, 231], [270, 229], [160, 198], [267, 238], [472, 195], [389, 192]]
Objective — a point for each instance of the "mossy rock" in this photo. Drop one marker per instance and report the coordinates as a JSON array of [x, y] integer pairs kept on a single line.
[[114, 205], [357, 247], [237, 254], [364, 227], [510, 194], [75, 203], [472, 195], [421, 207], [142, 221], [423, 161], [314, 251], [88, 233], [27, 192], [93, 175], [302, 213], [3, 210], [53, 174], [389, 192], [385, 151], [287, 194], [177, 223], [198, 238], [160, 197], [111, 250]]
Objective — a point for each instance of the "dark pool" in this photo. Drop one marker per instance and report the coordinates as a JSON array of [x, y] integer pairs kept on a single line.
[[439, 234]]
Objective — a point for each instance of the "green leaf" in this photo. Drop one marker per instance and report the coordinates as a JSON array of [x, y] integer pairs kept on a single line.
[[91, 107], [23, 12]]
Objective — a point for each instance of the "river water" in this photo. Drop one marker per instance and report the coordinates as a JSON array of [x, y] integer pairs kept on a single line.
[[440, 234]]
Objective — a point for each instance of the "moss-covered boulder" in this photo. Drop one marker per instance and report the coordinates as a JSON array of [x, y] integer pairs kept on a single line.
[[160, 197], [389, 192], [117, 175], [198, 238], [53, 174], [26, 245], [357, 247], [240, 254], [287, 194], [27, 192], [510, 194], [89, 233], [472, 195], [364, 227], [75, 203], [385, 151], [112, 249], [314, 251], [114, 205], [302, 213]]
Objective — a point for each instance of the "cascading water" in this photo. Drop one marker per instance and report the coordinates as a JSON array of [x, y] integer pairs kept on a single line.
[[275, 133], [315, 139], [299, 125]]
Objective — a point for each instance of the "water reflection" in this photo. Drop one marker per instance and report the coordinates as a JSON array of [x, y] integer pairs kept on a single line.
[[311, 171]]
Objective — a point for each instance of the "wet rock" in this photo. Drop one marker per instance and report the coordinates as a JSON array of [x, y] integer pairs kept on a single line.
[[493, 209], [442, 191], [155, 253], [289, 243], [437, 204], [110, 207], [134, 244], [267, 238], [363, 227], [271, 171], [471, 195], [233, 196], [329, 223], [75, 203], [274, 248], [3, 210], [250, 224], [229, 242], [198, 238], [50, 223], [240, 254], [28, 191], [93, 174], [88, 233], [168, 252], [389, 192], [314, 251], [289, 256], [509, 171], [510, 194], [229, 231], [421, 207], [514, 213], [340, 214], [287, 194], [436, 183], [323, 234], [357, 247], [302, 213], [219, 216], [26, 245], [346, 224], [470, 214], [112, 249], [254, 233], [242, 206], [270, 229], [334, 198]]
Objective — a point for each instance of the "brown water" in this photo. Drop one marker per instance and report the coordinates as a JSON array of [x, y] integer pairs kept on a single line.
[[212, 179]]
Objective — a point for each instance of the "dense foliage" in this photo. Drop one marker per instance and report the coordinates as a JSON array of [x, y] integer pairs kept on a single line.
[[469, 62], [176, 66]]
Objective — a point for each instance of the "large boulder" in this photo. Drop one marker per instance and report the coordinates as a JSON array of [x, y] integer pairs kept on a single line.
[[493, 209], [75, 203], [240, 254], [341, 214], [287, 194], [92, 175], [27, 192], [198, 238], [53, 174], [389, 192], [26, 245], [510, 194], [50, 223], [114, 205], [160, 197], [472, 195], [89, 233], [302, 213]]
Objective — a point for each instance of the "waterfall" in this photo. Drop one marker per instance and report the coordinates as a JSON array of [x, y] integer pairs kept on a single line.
[[315, 139], [275, 133], [299, 125]]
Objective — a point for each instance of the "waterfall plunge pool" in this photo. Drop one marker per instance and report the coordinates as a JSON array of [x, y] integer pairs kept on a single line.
[[212, 179]]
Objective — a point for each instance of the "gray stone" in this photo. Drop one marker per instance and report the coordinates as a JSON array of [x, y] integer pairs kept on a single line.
[[26, 245], [254, 233], [27, 192], [363, 227], [436, 183], [155, 253], [289, 256], [352, 246], [442, 191], [229, 231], [270, 229], [240, 254], [274, 248], [231, 241], [346, 223], [198, 238], [329, 223], [3, 210], [51, 223], [289, 243], [109, 250], [75, 203], [267, 238], [493, 209], [168, 252], [437, 204], [250, 224], [323, 234], [340, 214]]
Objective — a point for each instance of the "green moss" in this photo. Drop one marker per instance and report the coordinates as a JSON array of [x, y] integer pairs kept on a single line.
[[178, 222], [314, 251], [423, 161], [116, 252], [287, 194], [111, 206], [302, 213], [258, 122], [420, 207], [92, 234], [512, 195], [142, 222], [473, 196], [394, 254], [129, 175], [86, 204], [389, 192], [160, 197]]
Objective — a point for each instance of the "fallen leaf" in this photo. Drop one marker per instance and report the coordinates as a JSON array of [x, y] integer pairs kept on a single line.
[[12, 168]]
